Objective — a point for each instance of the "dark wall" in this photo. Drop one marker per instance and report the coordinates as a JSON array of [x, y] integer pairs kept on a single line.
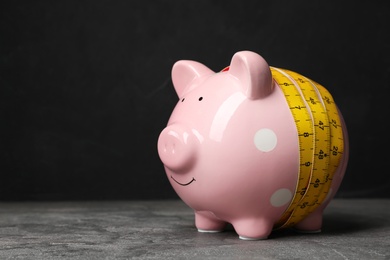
[[85, 86]]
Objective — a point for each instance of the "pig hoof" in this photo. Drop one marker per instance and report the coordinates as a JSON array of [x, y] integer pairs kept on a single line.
[[208, 231], [252, 238], [307, 231]]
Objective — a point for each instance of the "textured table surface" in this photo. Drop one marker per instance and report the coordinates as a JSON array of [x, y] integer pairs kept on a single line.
[[352, 229]]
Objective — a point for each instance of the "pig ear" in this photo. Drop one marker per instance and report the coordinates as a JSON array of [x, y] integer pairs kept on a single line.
[[253, 72], [186, 71]]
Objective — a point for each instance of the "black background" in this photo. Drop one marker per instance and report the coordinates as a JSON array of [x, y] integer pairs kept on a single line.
[[85, 86]]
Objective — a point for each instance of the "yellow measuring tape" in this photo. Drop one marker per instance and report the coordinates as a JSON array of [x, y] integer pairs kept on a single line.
[[320, 139]]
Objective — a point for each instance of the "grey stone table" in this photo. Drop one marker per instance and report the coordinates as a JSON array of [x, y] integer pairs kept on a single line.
[[352, 229]]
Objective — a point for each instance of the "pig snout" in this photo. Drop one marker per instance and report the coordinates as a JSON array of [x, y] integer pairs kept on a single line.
[[177, 147]]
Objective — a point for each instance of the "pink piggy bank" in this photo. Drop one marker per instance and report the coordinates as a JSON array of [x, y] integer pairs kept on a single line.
[[259, 147]]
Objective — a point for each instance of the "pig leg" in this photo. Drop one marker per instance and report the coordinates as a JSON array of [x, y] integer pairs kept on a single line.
[[207, 222], [253, 228], [312, 223]]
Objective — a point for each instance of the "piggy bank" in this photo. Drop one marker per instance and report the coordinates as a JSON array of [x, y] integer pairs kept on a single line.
[[257, 147]]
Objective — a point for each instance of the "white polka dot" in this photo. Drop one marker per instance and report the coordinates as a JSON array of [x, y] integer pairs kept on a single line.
[[265, 140], [280, 197]]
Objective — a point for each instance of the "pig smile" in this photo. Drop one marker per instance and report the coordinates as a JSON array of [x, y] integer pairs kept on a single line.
[[184, 184]]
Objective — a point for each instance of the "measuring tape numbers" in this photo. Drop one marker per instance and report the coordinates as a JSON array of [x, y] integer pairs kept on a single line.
[[320, 140]]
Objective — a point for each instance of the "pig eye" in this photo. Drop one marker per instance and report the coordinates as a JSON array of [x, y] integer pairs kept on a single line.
[[182, 100], [200, 99]]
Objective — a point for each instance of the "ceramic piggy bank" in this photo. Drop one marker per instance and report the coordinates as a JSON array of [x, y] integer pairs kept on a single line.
[[259, 147]]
